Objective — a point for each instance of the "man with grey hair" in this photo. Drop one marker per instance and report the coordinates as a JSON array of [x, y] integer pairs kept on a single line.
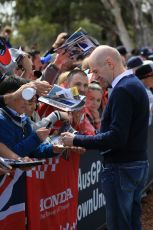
[[122, 140]]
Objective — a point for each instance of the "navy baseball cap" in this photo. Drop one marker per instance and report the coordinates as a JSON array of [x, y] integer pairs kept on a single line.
[[134, 61], [144, 71], [145, 52]]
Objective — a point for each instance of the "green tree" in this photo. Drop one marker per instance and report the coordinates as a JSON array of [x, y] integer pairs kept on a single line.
[[36, 33], [114, 21]]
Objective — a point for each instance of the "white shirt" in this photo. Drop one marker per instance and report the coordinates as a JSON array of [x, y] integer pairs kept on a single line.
[[119, 77], [150, 96]]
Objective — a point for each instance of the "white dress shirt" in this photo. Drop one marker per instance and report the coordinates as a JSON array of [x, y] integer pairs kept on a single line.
[[119, 77]]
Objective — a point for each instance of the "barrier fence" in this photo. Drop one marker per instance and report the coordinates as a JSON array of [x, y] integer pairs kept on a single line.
[[59, 195]]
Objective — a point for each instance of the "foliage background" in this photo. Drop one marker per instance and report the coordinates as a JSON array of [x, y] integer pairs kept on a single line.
[[114, 22]]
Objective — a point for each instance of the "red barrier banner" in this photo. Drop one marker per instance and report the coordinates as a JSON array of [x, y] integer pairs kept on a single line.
[[12, 201], [52, 194]]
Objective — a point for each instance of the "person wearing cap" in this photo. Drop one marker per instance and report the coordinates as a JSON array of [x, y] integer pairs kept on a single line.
[[145, 52], [134, 62], [145, 74]]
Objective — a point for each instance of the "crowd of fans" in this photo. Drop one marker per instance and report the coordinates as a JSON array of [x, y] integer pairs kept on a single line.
[[23, 132]]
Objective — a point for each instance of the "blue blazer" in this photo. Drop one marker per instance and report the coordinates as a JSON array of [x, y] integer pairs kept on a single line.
[[124, 124]]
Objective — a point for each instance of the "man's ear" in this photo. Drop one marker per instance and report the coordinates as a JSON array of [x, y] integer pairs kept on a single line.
[[110, 62]]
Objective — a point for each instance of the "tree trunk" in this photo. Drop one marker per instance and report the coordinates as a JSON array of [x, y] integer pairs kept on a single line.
[[143, 27], [114, 7], [138, 19]]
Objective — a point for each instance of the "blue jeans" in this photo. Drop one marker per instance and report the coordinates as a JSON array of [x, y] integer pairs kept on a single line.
[[122, 185]]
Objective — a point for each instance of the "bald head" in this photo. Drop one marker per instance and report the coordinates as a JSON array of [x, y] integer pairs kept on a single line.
[[106, 63], [102, 53]]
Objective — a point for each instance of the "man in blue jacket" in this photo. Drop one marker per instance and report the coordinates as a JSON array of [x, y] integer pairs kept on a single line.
[[15, 129], [122, 140]]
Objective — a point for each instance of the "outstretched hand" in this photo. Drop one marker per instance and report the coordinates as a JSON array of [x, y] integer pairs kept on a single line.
[[67, 138]]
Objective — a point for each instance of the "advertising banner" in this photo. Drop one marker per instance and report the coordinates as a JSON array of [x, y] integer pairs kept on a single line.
[[12, 201], [91, 205], [52, 194]]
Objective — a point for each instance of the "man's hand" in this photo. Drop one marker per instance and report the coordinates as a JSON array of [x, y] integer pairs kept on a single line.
[[67, 138], [42, 133], [5, 171], [26, 159], [61, 58], [60, 40], [42, 88], [57, 149]]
